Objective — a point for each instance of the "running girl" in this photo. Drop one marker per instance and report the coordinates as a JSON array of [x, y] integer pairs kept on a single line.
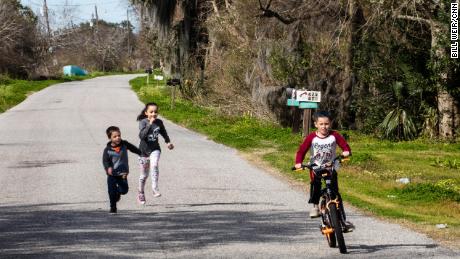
[[150, 127]]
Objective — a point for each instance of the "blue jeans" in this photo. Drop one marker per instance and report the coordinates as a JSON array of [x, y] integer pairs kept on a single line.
[[116, 186]]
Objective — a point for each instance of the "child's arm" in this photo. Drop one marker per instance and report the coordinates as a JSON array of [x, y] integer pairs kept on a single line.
[[106, 162], [132, 148], [346, 150], [144, 128], [303, 149], [164, 134]]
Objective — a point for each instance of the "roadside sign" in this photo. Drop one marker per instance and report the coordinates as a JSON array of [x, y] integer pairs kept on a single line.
[[158, 77], [308, 96], [302, 105], [308, 105]]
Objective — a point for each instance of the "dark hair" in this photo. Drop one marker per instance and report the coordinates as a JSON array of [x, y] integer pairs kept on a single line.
[[142, 115], [111, 130], [321, 114]]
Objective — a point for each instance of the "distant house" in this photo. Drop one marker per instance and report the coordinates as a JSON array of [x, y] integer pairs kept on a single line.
[[72, 70]]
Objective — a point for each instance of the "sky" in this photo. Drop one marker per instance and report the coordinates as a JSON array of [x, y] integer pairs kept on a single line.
[[82, 10]]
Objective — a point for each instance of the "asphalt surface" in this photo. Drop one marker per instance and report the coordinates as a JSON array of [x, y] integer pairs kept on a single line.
[[54, 202]]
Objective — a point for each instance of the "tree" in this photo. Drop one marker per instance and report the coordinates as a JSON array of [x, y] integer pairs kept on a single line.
[[101, 46], [20, 48]]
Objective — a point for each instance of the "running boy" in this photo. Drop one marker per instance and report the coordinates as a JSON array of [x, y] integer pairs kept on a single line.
[[115, 162], [323, 145]]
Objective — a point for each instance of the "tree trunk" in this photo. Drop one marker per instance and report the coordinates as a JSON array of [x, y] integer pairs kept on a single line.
[[355, 21], [214, 6], [448, 107], [449, 114]]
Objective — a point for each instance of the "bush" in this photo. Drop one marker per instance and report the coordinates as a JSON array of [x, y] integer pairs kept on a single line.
[[429, 192]]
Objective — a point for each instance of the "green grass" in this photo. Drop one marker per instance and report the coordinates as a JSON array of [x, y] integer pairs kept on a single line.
[[14, 91], [368, 181]]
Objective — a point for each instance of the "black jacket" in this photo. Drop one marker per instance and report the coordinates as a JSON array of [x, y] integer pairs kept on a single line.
[[148, 134], [118, 160]]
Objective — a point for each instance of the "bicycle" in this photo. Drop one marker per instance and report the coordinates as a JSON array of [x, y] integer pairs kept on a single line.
[[332, 214]]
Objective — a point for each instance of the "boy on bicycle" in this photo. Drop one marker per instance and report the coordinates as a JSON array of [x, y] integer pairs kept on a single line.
[[323, 143]]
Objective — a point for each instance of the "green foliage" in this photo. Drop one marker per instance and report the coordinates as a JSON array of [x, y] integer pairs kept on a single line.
[[429, 192], [5, 79], [361, 158], [448, 163], [16, 91], [398, 125], [290, 67], [394, 54]]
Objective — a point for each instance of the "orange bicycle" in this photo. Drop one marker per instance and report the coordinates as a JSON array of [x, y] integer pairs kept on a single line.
[[332, 215]]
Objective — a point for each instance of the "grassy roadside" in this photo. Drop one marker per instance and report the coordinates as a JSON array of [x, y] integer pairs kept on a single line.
[[14, 91], [368, 181]]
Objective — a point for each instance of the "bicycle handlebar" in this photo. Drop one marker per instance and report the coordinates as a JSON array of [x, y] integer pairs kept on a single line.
[[311, 166]]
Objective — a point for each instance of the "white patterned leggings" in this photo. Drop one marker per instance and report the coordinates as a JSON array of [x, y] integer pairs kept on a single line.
[[149, 165]]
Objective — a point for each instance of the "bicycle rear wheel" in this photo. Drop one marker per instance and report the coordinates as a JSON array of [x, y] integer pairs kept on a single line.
[[337, 228]]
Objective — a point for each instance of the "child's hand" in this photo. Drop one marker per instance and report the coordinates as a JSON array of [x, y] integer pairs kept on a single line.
[[151, 120], [170, 146], [345, 153], [298, 166], [109, 171]]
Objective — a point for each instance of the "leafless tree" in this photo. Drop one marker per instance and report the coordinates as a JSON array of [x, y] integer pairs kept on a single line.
[[19, 48]]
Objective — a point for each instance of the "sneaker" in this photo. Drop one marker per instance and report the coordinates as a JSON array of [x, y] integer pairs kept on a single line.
[[314, 212], [113, 210], [349, 227], [156, 194], [141, 198]]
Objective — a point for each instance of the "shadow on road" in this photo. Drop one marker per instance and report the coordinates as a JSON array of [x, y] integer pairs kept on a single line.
[[59, 230], [368, 249]]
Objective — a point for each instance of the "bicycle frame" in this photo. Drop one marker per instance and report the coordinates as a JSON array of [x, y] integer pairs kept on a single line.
[[332, 217], [328, 195]]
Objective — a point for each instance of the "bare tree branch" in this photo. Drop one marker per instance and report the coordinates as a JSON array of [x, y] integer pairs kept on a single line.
[[266, 12]]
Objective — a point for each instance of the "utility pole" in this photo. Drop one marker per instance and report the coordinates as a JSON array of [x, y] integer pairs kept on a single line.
[[45, 12], [128, 30], [97, 17]]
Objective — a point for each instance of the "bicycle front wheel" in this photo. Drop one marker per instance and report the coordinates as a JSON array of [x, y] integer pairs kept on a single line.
[[337, 228]]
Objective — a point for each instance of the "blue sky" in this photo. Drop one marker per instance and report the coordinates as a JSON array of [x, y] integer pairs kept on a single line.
[[82, 10]]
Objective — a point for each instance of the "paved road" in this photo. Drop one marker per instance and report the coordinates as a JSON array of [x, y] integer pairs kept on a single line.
[[53, 198]]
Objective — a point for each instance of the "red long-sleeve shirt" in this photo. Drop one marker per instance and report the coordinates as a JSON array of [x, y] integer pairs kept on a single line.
[[322, 149]]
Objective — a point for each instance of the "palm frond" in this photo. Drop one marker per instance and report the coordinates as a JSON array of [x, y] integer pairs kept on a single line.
[[397, 125]]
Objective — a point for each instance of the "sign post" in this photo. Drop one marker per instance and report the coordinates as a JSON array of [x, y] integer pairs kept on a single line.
[[149, 71], [306, 100], [173, 83]]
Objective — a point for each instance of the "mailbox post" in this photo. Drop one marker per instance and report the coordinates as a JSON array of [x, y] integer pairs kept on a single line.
[[149, 71], [305, 100], [173, 83]]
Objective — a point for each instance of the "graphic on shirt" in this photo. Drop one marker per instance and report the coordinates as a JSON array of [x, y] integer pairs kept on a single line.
[[154, 136], [323, 150]]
